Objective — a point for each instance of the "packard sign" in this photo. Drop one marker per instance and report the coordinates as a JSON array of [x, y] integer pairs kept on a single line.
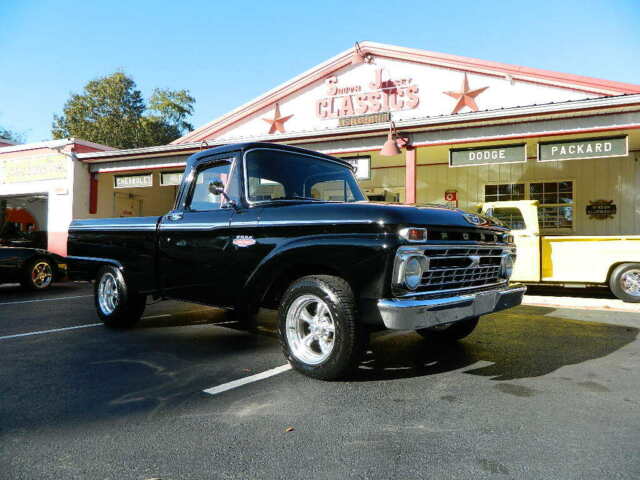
[[378, 96], [465, 157], [133, 181], [581, 149]]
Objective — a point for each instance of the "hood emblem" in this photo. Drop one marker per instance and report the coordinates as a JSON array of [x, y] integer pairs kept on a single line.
[[473, 219], [244, 241]]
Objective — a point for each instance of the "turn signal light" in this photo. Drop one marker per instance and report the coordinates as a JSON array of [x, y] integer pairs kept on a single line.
[[412, 234]]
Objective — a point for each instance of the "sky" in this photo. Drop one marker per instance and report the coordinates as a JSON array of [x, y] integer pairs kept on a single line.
[[229, 52]]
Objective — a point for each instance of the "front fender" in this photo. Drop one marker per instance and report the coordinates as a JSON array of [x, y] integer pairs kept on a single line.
[[365, 261]]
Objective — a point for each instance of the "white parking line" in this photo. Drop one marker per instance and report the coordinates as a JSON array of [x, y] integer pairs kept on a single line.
[[45, 299], [41, 332], [250, 379]]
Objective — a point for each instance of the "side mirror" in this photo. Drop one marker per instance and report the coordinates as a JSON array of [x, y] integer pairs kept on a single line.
[[217, 188]]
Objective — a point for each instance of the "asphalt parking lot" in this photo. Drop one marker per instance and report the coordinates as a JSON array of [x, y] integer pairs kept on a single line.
[[535, 392]]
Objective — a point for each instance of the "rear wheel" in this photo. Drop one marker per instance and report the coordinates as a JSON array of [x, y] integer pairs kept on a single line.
[[452, 332], [117, 306], [319, 329], [625, 282], [38, 274]]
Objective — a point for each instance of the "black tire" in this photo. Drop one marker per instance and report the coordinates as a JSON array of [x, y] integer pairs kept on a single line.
[[451, 333], [38, 274], [129, 306], [620, 285], [349, 337]]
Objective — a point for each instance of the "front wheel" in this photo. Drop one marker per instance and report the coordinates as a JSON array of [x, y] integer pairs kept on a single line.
[[319, 329], [625, 282], [450, 333], [117, 306]]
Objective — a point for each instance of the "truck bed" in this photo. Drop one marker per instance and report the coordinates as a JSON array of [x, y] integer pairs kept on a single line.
[[130, 241], [585, 259]]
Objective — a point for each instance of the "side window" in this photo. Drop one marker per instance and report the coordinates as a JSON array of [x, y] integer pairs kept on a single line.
[[511, 217], [202, 198]]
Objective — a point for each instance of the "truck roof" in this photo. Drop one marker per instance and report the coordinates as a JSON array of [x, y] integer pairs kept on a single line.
[[239, 147]]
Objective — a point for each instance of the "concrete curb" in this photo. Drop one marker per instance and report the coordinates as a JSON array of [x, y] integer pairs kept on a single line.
[[607, 304]]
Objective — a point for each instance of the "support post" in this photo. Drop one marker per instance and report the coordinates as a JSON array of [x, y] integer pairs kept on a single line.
[[410, 175], [93, 193]]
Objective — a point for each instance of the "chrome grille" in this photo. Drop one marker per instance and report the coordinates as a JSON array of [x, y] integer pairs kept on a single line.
[[461, 267]]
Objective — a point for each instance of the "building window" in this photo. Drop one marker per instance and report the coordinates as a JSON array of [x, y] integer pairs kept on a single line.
[[556, 203], [504, 192], [555, 199], [362, 164]]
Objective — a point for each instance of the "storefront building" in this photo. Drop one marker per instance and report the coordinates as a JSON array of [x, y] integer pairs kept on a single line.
[[42, 188], [424, 127]]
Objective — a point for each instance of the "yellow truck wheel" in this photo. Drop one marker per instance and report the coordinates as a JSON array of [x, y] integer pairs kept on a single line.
[[625, 282]]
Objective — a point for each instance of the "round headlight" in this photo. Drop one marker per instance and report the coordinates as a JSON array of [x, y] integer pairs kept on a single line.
[[412, 273], [506, 266]]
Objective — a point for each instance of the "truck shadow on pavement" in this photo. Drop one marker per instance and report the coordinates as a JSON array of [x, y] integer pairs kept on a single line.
[[521, 343]]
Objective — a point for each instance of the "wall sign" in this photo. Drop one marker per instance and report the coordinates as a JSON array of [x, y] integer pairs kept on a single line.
[[19, 170], [362, 164], [451, 198], [581, 149], [383, 117], [170, 178], [133, 181], [465, 157], [601, 209], [378, 96]]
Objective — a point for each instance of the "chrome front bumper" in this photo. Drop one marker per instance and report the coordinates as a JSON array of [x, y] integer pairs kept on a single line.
[[412, 314]]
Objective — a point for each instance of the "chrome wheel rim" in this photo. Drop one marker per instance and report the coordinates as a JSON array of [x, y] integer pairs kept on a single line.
[[108, 293], [310, 329], [630, 282], [41, 275]]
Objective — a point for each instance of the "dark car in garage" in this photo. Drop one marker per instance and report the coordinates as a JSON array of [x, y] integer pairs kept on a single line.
[[33, 268]]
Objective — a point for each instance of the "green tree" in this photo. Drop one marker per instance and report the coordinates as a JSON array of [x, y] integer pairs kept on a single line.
[[113, 112], [11, 135]]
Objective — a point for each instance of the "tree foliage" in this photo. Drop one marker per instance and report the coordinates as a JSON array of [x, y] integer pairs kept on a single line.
[[112, 111], [11, 135]]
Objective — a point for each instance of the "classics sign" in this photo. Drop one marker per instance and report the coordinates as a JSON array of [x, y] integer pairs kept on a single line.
[[378, 96]]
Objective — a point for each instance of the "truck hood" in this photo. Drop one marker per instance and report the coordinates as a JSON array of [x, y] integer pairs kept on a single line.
[[381, 213]]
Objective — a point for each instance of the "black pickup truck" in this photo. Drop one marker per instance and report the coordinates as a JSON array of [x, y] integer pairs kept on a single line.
[[262, 225]]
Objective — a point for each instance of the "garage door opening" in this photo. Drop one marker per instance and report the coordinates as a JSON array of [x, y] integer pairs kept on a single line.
[[23, 221]]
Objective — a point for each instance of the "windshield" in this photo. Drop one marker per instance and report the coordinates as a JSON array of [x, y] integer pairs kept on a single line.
[[274, 175]]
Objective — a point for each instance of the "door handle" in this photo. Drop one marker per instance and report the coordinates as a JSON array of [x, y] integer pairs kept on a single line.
[[174, 216]]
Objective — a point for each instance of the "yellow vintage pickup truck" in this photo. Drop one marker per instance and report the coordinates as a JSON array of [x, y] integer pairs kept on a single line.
[[577, 261]]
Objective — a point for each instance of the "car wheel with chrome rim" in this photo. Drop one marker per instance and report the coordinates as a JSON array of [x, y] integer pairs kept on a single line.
[[625, 282], [319, 330], [116, 305], [38, 274]]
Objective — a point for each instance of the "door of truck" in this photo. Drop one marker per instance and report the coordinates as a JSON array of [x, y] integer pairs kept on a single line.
[[522, 218], [193, 242]]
